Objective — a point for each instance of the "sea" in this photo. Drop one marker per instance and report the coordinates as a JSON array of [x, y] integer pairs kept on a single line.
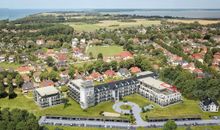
[[13, 14]]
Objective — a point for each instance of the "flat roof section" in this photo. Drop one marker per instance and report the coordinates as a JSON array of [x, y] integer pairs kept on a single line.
[[157, 84], [46, 91]]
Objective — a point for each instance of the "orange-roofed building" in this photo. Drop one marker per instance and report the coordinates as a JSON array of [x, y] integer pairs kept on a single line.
[[135, 70]]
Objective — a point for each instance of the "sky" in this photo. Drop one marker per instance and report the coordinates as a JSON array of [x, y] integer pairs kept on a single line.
[[91, 4]]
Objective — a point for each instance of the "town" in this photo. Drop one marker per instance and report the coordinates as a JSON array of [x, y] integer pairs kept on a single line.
[[133, 73]]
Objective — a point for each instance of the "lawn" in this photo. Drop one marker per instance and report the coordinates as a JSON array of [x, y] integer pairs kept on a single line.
[[26, 102], [125, 107], [111, 24], [7, 65], [105, 50], [188, 107]]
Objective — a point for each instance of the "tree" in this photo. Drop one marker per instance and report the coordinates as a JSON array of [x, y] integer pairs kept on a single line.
[[71, 71], [100, 56], [50, 61], [2, 90], [91, 55], [11, 93], [19, 80], [170, 125], [53, 75]]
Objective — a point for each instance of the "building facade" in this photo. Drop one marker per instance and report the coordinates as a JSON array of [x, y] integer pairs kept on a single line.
[[47, 96], [209, 105], [88, 94]]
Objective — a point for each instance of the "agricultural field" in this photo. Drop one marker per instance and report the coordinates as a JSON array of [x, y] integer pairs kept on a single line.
[[111, 24], [203, 22], [105, 50]]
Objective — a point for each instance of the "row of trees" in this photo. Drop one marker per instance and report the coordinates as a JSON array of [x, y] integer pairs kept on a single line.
[[189, 85]]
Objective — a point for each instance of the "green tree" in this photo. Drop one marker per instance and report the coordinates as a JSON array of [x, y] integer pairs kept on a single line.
[[19, 80], [170, 125], [100, 56], [2, 90], [11, 93], [50, 61], [71, 71]]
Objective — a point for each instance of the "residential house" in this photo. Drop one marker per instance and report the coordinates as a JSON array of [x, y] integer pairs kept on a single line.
[[24, 70], [11, 59], [209, 105], [27, 86], [47, 83], [61, 60], [198, 56], [3, 58], [135, 70], [109, 73], [96, 76], [124, 55], [123, 72], [40, 42], [75, 42]]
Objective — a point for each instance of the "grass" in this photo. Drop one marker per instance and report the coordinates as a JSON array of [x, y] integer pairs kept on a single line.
[[73, 108], [105, 50], [111, 24], [7, 65], [125, 107], [188, 107]]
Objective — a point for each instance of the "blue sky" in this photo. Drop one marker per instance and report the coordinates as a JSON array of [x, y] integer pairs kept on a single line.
[[79, 4]]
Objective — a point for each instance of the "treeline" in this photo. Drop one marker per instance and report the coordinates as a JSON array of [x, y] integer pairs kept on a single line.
[[17, 119], [189, 85]]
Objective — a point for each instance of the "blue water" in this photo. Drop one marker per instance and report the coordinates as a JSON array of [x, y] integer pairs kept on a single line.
[[13, 14]]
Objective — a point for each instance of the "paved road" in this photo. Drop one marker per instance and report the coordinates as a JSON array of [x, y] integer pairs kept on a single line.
[[110, 124]]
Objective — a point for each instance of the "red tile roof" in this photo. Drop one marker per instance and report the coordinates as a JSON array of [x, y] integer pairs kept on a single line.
[[125, 54], [109, 73], [46, 83], [197, 56], [95, 75], [135, 69], [24, 69], [62, 57]]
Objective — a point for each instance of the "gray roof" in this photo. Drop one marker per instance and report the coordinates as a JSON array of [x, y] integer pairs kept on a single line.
[[157, 84], [47, 91], [124, 71], [28, 86]]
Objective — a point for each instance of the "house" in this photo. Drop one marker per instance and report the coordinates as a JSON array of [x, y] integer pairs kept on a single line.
[[216, 38], [64, 78], [199, 73], [11, 59], [209, 105], [46, 83], [198, 56], [2, 58], [36, 77], [47, 96], [61, 60], [96, 76], [109, 73], [123, 72], [27, 86], [24, 70], [125, 55], [176, 60], [24, 58], [40, 42], [135, 70], [75, 42]]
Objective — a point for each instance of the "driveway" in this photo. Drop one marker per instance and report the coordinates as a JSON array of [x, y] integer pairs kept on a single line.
[[136, 110]]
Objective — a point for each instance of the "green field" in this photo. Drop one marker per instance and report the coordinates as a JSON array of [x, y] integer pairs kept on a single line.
[[105, 50], [111, 24], [188, 107], [6, 65]]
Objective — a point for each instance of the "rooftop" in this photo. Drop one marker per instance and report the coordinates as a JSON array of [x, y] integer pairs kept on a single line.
[[46, 91]]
